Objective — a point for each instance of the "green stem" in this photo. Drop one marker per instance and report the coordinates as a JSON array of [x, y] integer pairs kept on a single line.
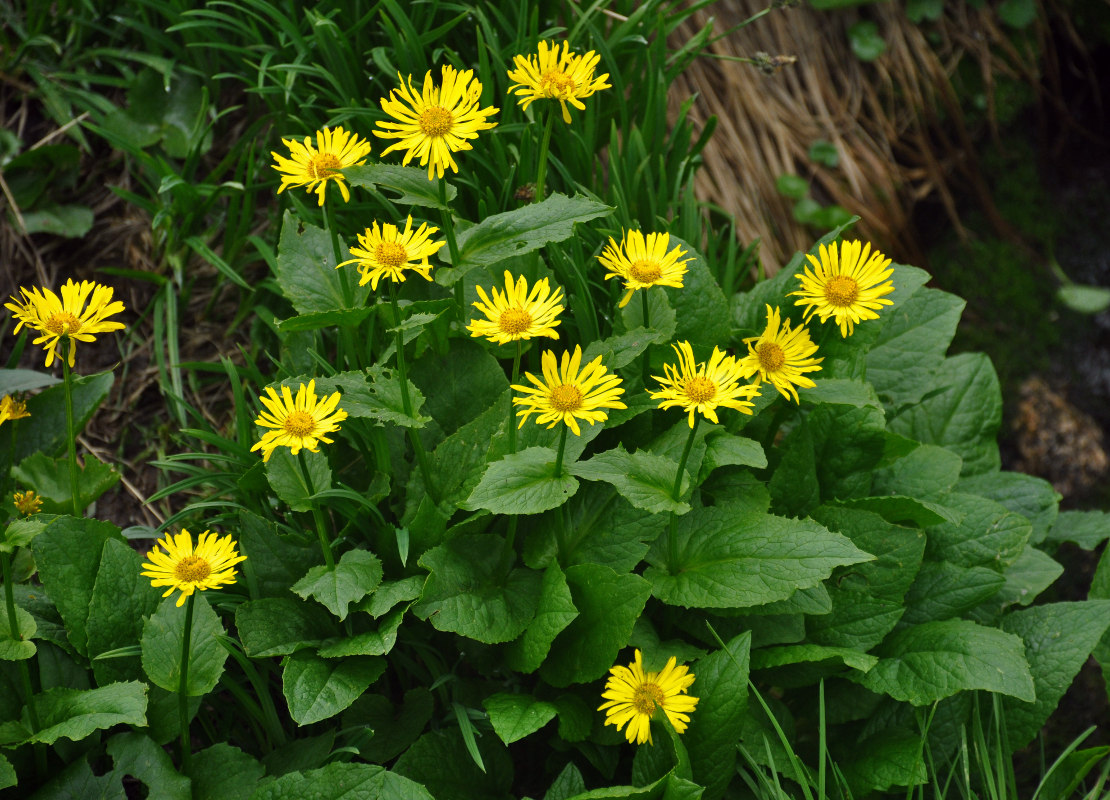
[[183, 686], [516, 377], [71, 433], [24, 670], [452, 244], [406, 401], [562, 447], [676, 493], [317, 515], [545, 144], [646, 364]]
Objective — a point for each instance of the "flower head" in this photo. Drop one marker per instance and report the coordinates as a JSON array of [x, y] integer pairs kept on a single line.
[[27, 503], [388, 252], [847, 285], [781, 356], [210, 565], [10, 408], [313, 167], [632, 696], [436, 122], [556, 76], [703, 387], [299, 422], [566, 394], [68, 316], [517, 313], [643, 262]]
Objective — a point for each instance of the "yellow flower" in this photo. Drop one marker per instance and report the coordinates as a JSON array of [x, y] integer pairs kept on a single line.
[[210, 566], [386, 252], [781, 357], [27, 503], [438, 121], [703, 387], [517, 313], [297, 422], [556, 76], [10, 408], [643, 262], [633, 695], [848, 288], [565, 394], [313, 167], [55, 317]]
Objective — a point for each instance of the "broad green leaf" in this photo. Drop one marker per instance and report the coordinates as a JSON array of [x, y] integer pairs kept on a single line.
[[1033, 498], [163, 637], [275, 559], [726, 450], [367, 643], [883, 761], [356, 575], [661, 322], [121, 601], [645, 480], [378, 398], [278, 626], [794, 487], [1065, 775], [897, 551], [840, 391], [317, 688], [569, 782], [460, 384], [301, 755], [934, 660], [857, 620], [78, 781], [411, 182], [395, 728], [20, 533], [48, 415], [49, 477], [1025, 579], [76, 713], [848, 443], [608, 606], [439, 760], [620, 351], [927, 472], [8, 777], [944, 590], [771, 657], [223, 772], [306, 270], [140, 757], [523, 483], [20, 647], [1088, 529], [721, 686], [515, 716], [343, 781], [726, 560], [472, 591], [24, 380], [555, 611], [287, 478], [391, 593], [701, 308], [339, 318], [902, 510], [987, 536]]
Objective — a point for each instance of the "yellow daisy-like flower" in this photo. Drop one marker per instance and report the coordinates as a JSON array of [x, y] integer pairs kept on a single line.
[[388, 252], [55, 317], [10, 408], [847, 285], [633, 695], [436, 122], [211, 565], [781, 356], [517, 313], [299, 422], [27, 503], [566, 394], [703, 387], [643, 262], [552, 75], [313, 167]]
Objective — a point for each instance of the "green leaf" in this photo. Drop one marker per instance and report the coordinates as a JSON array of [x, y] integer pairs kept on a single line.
[[18, 648], [840, 391], [1059, 637], [287, 479], [645, 480], [49, 477], [275, 560], [987, 536], [8, 777], [122, 599], [885, 760], [620, 351], [163, 637], [459, 384], [523, 483], [1083, 299], [1033, 498], [927, 472], [223, 772], [934, 660], [723, 449], [944, 590], [824, 152], [24, 380], [865, 40], [391, 593], [316, 688], [306, 270], [76, 713], [608, 606], [140, 757], [515, 716], [793, 186], [471, 591], [771, 657], [569, 782], [379, 399], [1088, 529], [1017, 13], [440, 761], [411, 183], [1025, 579], [395, 728], [553, 613], [721, 686], [520, 231], [367, 643], [897, 551], [341, 318], [343, 781], [70, 221], [48, 415], [857, 620], [356, 575], [701, 308], [905, 510], [917, 11], [278, 626], [728, 560], [662, 320]]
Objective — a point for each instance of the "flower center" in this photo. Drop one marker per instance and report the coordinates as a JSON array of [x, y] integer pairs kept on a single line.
[[556, 83], [700, 389], [771, 357], [299, 423], [63, 323], [645, 271], [841, 290], [646, 697], [391, 255], [192, 569], [514, 320], [436, 121], [566, 397], [324, 166]]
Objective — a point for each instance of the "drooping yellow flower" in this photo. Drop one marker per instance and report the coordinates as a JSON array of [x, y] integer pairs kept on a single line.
[[297, 422], [847, 285], [566, 394], [388, 252], [703, 387], [10, 408], [314, 167], [643, 262], [517, 314], [211, 565], [781, 356], [552, 75], [633, 696], [27, 503], [55, 317], [436, 122]]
